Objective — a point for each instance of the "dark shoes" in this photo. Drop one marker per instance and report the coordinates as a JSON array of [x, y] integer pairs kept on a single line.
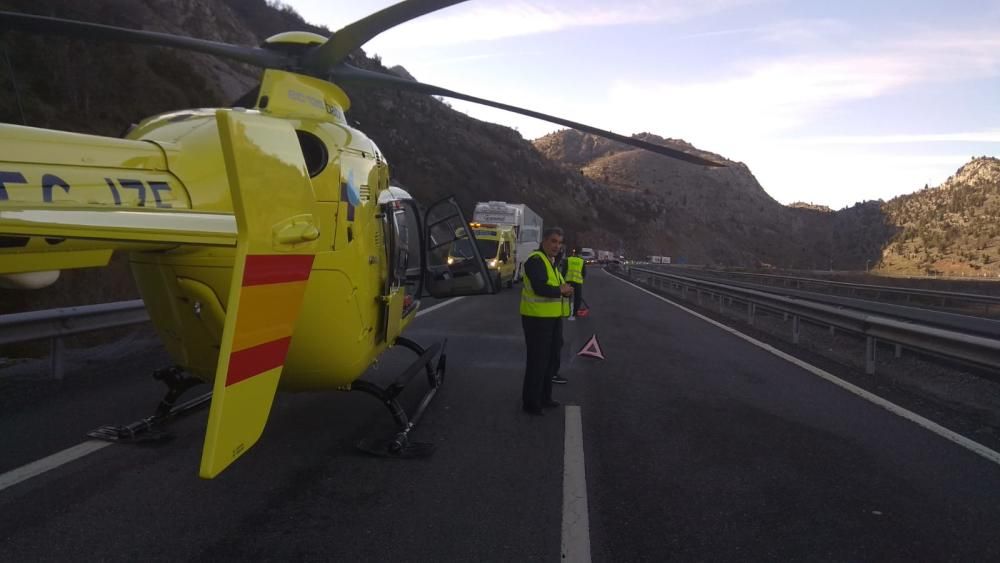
[[533, 412], [551, 404], [559, 379]]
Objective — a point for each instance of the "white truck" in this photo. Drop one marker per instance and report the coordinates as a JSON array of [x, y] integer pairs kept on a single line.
[[526, 223]]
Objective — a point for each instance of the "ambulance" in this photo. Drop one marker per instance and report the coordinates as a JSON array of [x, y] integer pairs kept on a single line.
[[497, 245]]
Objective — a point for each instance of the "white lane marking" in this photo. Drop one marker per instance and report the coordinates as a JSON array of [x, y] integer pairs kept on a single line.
[[439, 305], [36, 468], [575, 518], [927, 424]]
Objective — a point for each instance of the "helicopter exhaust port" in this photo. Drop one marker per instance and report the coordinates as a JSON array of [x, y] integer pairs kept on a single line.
[[399, 445]]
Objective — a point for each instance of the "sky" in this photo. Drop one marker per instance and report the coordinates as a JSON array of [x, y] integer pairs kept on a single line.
[[829, 103]]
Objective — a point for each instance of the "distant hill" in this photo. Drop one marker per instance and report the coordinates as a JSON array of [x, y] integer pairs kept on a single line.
[[605, 194], [953, 229], [813, 206], [713, 216]]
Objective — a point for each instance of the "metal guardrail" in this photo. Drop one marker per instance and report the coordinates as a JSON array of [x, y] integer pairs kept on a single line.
[[987, 300], [56, 324], [975, 325], [875, 328]]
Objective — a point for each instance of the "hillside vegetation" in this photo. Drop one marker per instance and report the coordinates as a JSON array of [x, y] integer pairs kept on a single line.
[[605, 194]]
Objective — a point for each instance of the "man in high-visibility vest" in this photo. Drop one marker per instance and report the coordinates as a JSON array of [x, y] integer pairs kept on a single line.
[[575, 271], [544, 302]]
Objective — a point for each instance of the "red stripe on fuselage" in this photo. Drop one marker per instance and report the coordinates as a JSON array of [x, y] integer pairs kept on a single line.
[[249, 362], [263, 269]]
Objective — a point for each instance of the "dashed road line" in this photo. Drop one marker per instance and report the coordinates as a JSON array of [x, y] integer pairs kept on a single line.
[[925, 423], [36, 468], [439, 305], [575, 517]]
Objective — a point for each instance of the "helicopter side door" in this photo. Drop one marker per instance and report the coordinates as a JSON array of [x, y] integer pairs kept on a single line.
[[453, 264], [402, 232]]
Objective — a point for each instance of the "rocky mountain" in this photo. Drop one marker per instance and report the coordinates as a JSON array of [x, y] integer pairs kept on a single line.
[[953, 229], [707, 216], [434, 151], [810, 205], [605, 194]]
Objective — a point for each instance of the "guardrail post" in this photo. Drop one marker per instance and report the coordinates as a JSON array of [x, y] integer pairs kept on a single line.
[[684, 293], [751, 313], [899, 351], [870, 347], [833, 330], [698, 293], [56, 358], [722, 302], [795, 329]]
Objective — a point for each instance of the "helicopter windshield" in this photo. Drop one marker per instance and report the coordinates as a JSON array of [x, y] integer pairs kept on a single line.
[[462, 248]]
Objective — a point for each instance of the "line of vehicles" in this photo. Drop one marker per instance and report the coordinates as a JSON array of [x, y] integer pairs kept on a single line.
[[592, 256], [506, 234]]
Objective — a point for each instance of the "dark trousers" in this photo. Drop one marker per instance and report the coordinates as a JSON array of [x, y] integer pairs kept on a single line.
[[543, 339], [577, 296]]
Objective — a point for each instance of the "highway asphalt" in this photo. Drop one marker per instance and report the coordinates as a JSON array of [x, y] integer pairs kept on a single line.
[[698, 446]]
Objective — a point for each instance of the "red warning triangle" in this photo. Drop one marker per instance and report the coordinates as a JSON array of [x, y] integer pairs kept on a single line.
[[591, 349]]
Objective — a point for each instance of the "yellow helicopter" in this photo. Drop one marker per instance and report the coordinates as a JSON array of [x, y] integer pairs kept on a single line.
[[266, 241]]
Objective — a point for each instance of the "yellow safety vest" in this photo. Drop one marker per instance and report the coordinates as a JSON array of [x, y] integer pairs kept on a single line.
[[534, 305], [574, 269]]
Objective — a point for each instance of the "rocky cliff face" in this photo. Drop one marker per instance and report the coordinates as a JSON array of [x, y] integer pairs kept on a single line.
[[953, 229], [715, 216], [605, 194]]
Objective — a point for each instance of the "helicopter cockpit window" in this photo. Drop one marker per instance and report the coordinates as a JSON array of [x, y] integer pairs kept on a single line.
[[313, 151]]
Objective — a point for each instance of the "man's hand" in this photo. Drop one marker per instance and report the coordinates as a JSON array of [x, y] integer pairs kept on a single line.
[[566, 289]]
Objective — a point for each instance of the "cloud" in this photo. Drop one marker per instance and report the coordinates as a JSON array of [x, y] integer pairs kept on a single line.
[[803, 31], [839, 179], [992, 136], [769, 97], [475, 22]]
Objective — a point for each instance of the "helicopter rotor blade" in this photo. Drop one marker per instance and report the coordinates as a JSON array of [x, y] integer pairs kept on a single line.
[[351, 75], [354, 35], [86, 30]]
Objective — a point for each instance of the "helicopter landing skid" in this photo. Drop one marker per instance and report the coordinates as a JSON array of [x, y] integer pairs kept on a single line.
[[400, 445], [147, 429]]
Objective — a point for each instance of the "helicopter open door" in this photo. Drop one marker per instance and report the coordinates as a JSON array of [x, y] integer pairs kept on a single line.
[[453, 264]]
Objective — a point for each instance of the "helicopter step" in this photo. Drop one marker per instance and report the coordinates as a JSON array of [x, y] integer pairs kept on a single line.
[[400, 444], [148, 429]]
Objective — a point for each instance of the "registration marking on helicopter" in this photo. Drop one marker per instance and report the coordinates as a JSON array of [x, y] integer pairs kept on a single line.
[[58, 459]]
